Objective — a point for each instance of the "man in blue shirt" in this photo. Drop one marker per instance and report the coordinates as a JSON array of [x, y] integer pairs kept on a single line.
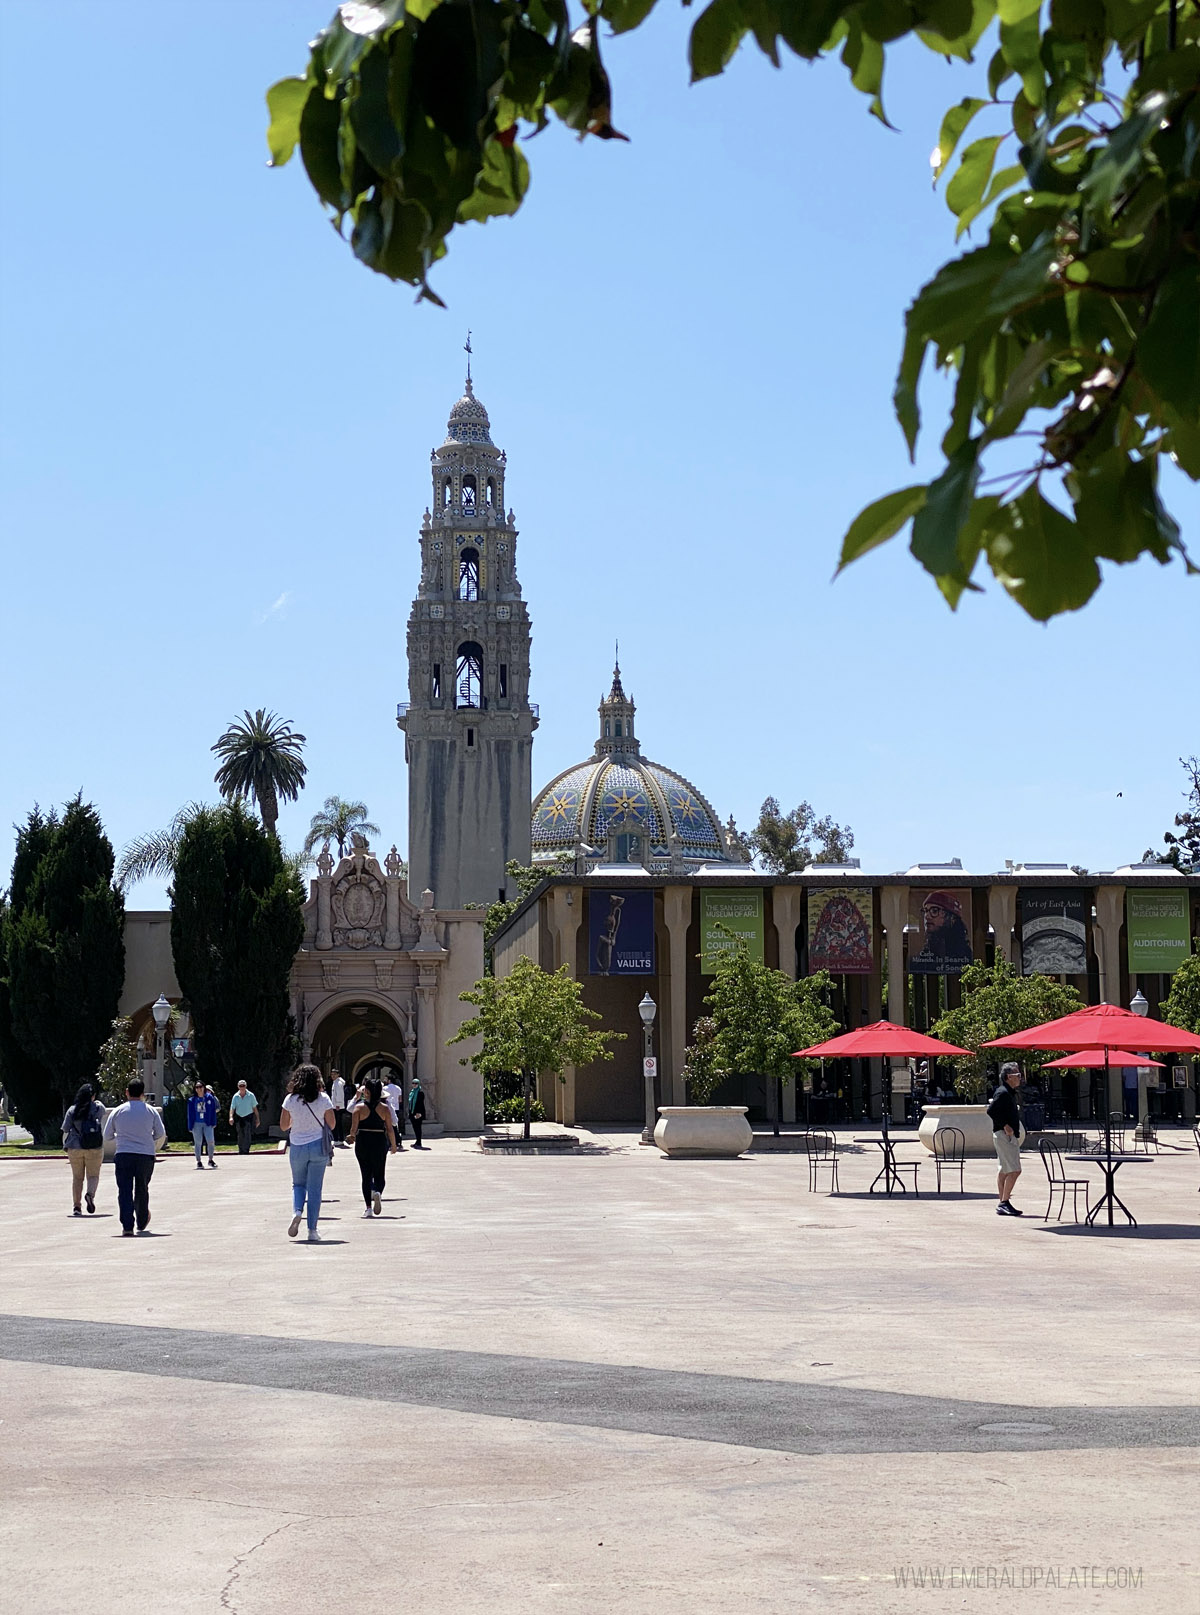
[[243, 1116], [136, 1130]]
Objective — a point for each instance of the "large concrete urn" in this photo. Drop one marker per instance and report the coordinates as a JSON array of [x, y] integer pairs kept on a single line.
[[703, 1130], [972, 1121]]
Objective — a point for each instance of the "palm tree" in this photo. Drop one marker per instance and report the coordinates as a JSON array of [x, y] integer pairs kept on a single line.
[[154, 853], [336, 821], [261, 758]]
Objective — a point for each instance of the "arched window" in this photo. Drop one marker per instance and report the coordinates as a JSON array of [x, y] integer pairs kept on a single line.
[[447, 490], [618, 728], [468, 575], [468, 492], [607, 729], [491, 492], [468, 676]]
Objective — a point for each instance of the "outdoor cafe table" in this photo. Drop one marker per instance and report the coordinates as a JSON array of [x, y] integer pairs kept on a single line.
[[1111, 1165], [888, 1170]]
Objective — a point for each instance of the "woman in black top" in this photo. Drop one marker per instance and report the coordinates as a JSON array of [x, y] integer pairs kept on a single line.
[[374, 1138]]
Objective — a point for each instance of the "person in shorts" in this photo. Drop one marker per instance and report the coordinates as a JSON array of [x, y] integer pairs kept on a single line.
[[1005, 1116]]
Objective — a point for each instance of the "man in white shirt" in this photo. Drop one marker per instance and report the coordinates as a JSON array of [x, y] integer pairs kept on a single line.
[[136, 1130], [337, 1095], [394, 1097]]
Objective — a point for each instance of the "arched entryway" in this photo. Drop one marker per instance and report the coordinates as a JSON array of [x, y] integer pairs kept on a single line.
[[354, 1036]]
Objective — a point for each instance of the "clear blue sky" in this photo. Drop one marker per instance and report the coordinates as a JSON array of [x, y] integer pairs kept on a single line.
[[217, 429]]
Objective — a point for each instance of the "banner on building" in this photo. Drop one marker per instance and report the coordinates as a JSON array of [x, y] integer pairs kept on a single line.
[[621, 933], [1053, 931], [941, 946], [839, 931], [1157, 930], [722, 913]]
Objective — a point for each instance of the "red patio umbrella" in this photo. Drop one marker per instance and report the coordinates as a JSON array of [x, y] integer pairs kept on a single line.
[[1102, 1026], [881, 1037], [1092, 1059]]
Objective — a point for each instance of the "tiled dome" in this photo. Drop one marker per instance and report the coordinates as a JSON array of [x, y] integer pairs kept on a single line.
[[468, 421]]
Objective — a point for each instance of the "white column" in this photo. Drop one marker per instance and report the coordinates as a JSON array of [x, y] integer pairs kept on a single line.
[[566, 911], [787, 903], [1002, 916], [893, 911], [677, 916]]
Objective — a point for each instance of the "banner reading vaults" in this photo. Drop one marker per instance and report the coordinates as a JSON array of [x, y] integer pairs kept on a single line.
[[839, 931], [1157, 931], [740, 912], [621, 933]]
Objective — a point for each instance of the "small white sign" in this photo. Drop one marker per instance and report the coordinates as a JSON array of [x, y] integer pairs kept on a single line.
[[650, 1066]]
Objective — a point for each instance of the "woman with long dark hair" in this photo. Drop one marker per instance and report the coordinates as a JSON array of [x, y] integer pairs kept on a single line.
[[307, 1118], [83, 1140], [374, 1138]]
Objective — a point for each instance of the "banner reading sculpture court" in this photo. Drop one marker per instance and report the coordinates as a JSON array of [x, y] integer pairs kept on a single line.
[[1157, 930], [739, 912], [839, 931], [1053, 931], [943, 945], [621, 933]]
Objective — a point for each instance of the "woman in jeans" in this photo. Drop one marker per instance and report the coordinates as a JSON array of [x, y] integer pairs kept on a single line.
[[84, 1143], [202, 1123], [374, 1138], [308, 1118]]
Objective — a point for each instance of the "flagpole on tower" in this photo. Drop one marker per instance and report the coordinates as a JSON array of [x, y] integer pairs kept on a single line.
[[467, 350]]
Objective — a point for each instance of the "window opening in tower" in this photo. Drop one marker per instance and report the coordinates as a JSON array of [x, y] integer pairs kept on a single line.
[[468, 676], [468, 575], [468, 492]]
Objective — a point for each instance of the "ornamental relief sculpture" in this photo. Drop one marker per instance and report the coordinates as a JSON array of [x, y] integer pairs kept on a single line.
[[357, 904]]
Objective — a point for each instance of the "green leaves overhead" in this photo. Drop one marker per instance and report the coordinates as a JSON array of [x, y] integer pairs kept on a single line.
[[1075, 323]]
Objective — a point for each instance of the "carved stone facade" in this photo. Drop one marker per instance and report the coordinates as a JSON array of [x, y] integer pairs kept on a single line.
[[468, 722], [377, 980]]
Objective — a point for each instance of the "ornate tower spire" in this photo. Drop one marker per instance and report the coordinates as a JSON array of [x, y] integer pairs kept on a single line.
[[468, 722], [616, 721]]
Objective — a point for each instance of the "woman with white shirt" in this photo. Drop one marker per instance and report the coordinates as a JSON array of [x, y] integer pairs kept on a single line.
[[308, 1119]]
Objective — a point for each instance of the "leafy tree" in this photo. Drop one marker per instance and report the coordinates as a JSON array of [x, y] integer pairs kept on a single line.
[[62, 962], [1183, 850], [526, 878], [787, 842], [702, 1071], [337, 821], [1072, 332], [997, 1000], [236, 924], [533, 1020], [763, 1017], [261, 757], [117, 1064], [1182, 1007]]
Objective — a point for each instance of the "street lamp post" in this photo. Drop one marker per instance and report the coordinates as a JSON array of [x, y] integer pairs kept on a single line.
[[161, 1010], [647, 1009], [1139, 1004]]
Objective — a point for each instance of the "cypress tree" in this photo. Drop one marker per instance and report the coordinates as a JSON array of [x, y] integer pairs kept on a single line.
[[236, 924], [62, 962]]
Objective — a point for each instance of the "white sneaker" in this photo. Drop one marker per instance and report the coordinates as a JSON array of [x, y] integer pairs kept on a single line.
[[294, 1225], [377, 1205], [368, 1213], [313, 1237]]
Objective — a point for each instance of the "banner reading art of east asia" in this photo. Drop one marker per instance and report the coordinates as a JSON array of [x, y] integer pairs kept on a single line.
[[621, 933], [1157, 930], [739, 912], [1053, 931], [839, 931], [942, 944]]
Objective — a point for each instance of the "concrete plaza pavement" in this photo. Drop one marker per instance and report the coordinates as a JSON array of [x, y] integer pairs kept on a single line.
[[601, 1382]]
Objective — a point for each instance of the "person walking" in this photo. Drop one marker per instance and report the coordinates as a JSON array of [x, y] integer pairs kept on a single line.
[[416, 1111], [135, 1128], [83, 1140], [202, 1123], [373, 1135], [243, 1116], [307, 1118], [337, 1092], [1007, 1134], [394, 1095]]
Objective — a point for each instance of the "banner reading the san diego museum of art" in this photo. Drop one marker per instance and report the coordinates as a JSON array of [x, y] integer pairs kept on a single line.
[[1157, 930], [621, 933], [1053, 931], [839, 931], [739, 912], [942, 945]]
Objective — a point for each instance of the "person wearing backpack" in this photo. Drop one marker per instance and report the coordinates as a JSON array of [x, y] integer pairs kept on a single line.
[[416, 1111], [83, 1140]]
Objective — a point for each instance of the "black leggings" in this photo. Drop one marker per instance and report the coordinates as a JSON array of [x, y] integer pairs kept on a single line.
[[372, 1152]]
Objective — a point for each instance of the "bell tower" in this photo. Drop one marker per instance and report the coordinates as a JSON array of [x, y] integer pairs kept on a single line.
[[468, 724]]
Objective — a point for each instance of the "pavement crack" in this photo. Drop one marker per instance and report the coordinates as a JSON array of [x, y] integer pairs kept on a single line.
[[240, 1559]]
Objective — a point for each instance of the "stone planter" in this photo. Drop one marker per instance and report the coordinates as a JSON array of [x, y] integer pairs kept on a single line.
[[703, 1130], [972, 1121]]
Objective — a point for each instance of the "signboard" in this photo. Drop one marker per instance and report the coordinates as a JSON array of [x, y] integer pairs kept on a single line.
[[1053, 931], [650, 1066], [621, 933], [839, 931], [942, 944], [1157, 931], [739, 912]]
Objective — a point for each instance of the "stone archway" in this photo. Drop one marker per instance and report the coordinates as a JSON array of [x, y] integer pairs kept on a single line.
[[354, 1030]]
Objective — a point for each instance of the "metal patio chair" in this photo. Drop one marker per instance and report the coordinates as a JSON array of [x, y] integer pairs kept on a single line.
[[1060, 1182], [822, 1156], [949, 1154]]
